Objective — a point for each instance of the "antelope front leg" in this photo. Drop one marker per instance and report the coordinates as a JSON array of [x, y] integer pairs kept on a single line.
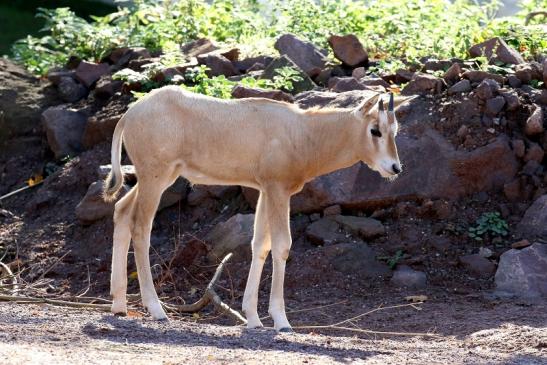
[[278, 214], [261, 248]]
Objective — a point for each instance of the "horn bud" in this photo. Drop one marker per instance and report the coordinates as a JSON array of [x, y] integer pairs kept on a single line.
[[390, 106], [381, 105]]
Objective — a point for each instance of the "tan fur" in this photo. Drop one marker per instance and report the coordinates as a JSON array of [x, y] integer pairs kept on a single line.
[[271, 146]]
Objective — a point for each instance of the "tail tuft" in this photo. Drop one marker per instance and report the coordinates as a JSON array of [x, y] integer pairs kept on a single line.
[[114, 181]]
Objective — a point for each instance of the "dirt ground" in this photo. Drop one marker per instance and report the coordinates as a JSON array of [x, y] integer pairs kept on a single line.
[[468, 330]]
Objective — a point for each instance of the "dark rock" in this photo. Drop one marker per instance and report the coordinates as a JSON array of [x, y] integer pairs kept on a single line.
[[453, 74], [374, 81], [93, 207], [521, 244], [356, 259], [200, 193], [437, 65], [544, 66], [247, 64], [405, 276], [198, 47], [304, 54], [364, 227], [324, 232], [234, 235], [341, 84], [519, 147], [534, 153], [348, 49], [533, 223], [88, 73], [403, 76], [217, 64], [56, 75], [99, 129], [332, 210], [168, 74], [523, 272], [487, 89], [358, 73], [106, 87], [513, 190], [527, 72], [348, 99], [531, 168], [496, 50], [514, 81], [423, 84], [478, 76], [122, 56], [239, 92], [534, 124], [140, 63], [511, 99], [494, 105], [305, 84], [174, 194], [70, 90], [478, 266], [462, 86], [64, 129]]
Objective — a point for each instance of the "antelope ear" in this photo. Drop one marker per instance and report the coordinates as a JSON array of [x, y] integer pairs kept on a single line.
[[367, 105], [400, 100]]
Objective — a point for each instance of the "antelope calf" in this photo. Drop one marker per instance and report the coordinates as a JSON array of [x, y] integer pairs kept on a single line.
[[270, 146]]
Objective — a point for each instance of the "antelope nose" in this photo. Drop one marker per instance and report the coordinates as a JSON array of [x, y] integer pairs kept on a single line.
[[396, 168]]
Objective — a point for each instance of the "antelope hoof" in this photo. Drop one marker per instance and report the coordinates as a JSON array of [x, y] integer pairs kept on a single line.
[[119, 309], [157, 312]]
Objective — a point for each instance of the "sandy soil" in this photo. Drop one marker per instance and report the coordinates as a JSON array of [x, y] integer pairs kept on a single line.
[[493, 333]]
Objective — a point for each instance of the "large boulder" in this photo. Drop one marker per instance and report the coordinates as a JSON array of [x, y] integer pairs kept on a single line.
[[305, 54], [423, 84], [496, 50], [88, 73], [534, 222], [217, 64], [324, 232], [478, 266], [93, 207], [234, 235], [348, 99], [363, 227], [523, 272], [348, 49], [240, 91], [64, 130]]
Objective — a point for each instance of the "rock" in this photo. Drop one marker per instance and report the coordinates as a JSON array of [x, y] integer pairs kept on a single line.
[[403, 76], [332, 210], [240, 91], [93, 207], [527, 72], [514, 81], [520, 244], [348, 49], [324, 232], [217, 64], [305, 84], [478, 266], [485, 252], [348, 99], [423, 84], [234, 235], [494, 105], [533, 223], [356, 259], [200, 193], [341, 84], [463, 131], [544, 66], [478, 76], [88, 73], [99, 129], [364, 227], [374, 81], [304, 54], [106, 87], [462, 86], [523, 273], [496, 50], [198, 47], [534, 153], [519, 147], [129, 173], [247, 64], [513, 190], [487, 89], [534, 124], [55, 75], [70, 90], [120, 57], [168, 74], [436, 65], [64, 130], [405, 276], [511, 99], [453, 74], [174, 194], [358, 73]]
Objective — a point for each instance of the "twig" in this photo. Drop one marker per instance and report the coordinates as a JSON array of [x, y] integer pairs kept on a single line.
[[534, 14], [359, 330], [310, 309], [53, 265], [62, 303], [210, 296], [13, 277], [19, 190]]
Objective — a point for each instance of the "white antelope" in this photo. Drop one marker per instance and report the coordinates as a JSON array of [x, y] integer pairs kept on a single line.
[[271, 146]]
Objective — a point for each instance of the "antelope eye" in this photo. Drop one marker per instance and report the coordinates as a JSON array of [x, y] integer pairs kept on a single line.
[[376, 132]]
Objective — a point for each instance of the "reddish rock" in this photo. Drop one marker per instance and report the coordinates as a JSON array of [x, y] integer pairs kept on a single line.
[[55, 75], [534, 153], [106, 87], [98, 130], [478, 266], [403, 76], [534, 124], [240, 91], [234, 236], [122, 56], [423, 84], [348, 49], [197, 47], [453, 74], [217, 64], [544, 66], [247, 64], [518, 147], [477, 76], [495, 49], [341, 84], [487, 89], [374, 81], [520, 244], [358, 73], [513, 190], [511, 99], [527, 72], [93, 207], [364, 227], [460, 87], [332, 210], [305, 54], [88, 73], [167, 74]]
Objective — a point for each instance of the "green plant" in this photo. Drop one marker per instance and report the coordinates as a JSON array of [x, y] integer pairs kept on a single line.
[[200, 82], [490, 223], [393, 260], [284, 78]]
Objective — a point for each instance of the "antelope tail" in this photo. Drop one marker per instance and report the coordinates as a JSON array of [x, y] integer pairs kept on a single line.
[[114, 180]]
